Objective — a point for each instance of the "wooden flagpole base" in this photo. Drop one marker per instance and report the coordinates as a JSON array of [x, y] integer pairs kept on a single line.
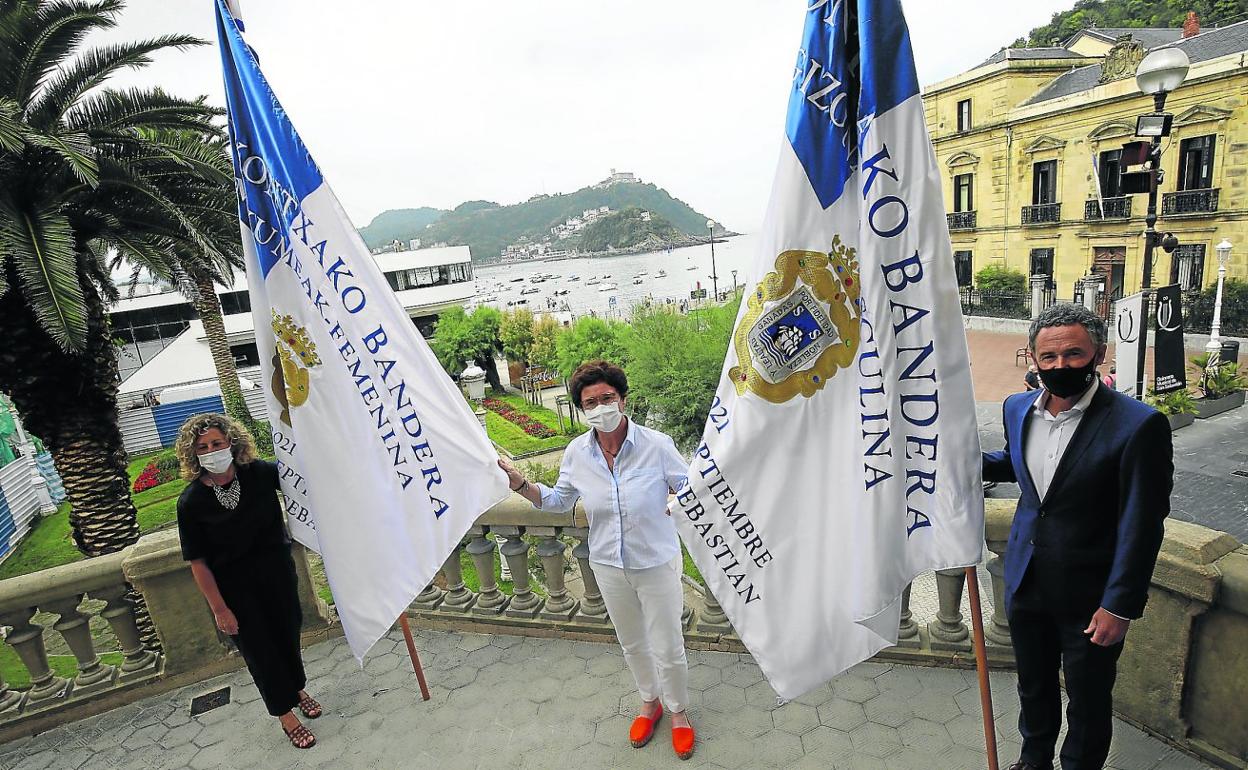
[[411, 653], [981, 665]]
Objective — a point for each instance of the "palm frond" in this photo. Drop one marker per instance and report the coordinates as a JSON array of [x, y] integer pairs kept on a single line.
[[114, 111], [40, 244], [91, 69], [57, 30], [75, 150]]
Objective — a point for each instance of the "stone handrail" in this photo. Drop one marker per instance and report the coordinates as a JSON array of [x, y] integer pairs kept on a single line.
[[61, 590], [1181, 674]]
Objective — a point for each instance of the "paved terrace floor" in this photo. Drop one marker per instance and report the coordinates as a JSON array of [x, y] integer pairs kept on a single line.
[[508, 701]]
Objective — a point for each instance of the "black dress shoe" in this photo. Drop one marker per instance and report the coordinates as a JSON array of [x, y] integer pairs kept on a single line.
[[1025, 765]]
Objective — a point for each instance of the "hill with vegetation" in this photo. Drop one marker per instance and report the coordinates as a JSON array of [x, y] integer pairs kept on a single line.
[[628, 230], [1132, 13], [487, 228], [398, 225]]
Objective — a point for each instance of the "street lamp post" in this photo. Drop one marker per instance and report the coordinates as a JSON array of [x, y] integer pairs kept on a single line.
[[1214, 346], [734, 281], [1161, 71], [710, 226]]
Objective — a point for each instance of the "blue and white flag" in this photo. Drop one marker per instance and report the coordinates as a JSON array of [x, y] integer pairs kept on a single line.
[[383, 465], [840, 458]]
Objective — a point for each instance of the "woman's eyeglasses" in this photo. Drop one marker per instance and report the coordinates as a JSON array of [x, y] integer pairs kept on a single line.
[[606, 398]]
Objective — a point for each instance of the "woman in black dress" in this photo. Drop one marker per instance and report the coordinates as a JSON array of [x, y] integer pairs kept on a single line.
[[233, 535]]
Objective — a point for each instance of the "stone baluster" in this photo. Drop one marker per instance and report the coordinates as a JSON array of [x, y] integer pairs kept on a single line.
[[559, 604], [907, 630], [712, 619], [948, 631], [429, 599], [10, 700], [26, 639], [74, 626], [457, 597], [524, 600], [998, 631], [119, 613], [592, 609], [490, 601]]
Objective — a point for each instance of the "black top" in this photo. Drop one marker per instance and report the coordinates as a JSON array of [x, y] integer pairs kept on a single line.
[[212, 532]]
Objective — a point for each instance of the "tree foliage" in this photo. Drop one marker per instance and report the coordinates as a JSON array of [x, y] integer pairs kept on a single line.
[[1000, 280], [1234, 320], [515, 334], [1131, 13], [591, 338], [544, 352], [673, 365], [460, 338]]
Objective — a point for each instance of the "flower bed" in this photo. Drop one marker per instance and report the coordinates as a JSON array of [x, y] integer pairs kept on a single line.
[[526, 423], [162, 469]]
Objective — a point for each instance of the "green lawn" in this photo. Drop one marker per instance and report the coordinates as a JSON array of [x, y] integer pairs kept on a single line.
[[512, 437], [65, 666]]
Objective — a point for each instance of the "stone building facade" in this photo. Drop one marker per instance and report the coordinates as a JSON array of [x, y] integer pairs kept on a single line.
[[1029, 142]]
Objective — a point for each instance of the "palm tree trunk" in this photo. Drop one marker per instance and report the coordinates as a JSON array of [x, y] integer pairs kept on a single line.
[[70, 402], [209, 308]]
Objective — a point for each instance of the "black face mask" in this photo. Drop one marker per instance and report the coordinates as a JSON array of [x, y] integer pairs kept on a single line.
[[1068, 381]]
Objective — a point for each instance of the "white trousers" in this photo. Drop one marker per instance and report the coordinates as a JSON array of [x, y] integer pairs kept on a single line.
[[645, 607]]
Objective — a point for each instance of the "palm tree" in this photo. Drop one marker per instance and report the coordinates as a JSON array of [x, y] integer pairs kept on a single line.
[[88, 175]]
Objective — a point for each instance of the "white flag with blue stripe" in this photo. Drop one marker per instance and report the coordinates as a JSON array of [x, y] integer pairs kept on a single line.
[[841, 458], [383, 465]]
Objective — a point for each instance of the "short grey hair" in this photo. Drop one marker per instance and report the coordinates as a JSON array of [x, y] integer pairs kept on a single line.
[[1068, 314]]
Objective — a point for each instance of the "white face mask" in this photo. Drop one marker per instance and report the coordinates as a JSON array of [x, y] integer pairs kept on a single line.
[[604, 417], [218, 461]]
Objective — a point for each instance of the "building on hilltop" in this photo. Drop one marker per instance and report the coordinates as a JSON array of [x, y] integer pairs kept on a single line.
[[618, 177], [1029, 142]]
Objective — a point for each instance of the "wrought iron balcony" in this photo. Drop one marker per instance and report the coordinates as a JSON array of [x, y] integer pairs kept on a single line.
[[1042, 214], [961, 220], [1189, 202], [1114, 208]]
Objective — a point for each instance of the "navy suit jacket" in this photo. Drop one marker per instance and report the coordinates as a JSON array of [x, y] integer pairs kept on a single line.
[[1093, 540]]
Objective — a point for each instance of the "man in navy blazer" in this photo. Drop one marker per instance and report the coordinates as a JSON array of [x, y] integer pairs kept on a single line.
[[1095, 469]]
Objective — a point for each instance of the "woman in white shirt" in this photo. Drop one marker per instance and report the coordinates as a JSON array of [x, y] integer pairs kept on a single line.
[[623, 472]]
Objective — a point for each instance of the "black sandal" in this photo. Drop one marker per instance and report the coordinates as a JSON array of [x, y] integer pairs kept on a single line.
[[310, 708], [300, 737]]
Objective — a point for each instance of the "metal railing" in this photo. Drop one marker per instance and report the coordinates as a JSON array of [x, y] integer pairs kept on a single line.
[[961, 220], [995, 304], [1189, 202], [1108, 208], [1042, 214]]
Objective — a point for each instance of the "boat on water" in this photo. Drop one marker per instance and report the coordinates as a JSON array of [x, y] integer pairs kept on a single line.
[[561, 292], [641, 273], [608, 287], [530, 290], [514, 302], [592, 282], [517, 280], [661, 273], [692, 267], [572, 278], [606, 275], [636, 281]]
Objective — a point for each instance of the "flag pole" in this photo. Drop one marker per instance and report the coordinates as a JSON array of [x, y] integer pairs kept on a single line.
[[981, 665], [411, 653]]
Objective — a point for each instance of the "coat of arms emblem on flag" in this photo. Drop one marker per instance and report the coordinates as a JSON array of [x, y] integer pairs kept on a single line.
[[810, 332]]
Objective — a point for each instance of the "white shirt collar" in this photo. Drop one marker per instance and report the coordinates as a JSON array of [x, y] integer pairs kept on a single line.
[[1080, 406], [592, 443]]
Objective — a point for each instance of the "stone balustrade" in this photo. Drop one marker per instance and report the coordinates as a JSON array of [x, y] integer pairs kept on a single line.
[[61, 591], [1181, 675]]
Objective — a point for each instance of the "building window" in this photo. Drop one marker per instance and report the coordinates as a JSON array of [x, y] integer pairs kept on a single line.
[[1187, 266], [1044, 183], [964, 115], [963, 193], [962, 267], [1110, 171], [1196, 163], [1042, 262]]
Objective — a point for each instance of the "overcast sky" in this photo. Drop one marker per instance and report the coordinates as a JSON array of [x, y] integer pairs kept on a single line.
[[409, 103]]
